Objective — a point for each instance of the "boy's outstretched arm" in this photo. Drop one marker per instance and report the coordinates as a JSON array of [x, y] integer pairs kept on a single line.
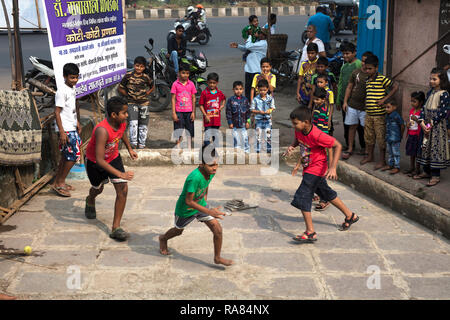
[[212, 212], [125, 140], [337, 149], [101, 137]]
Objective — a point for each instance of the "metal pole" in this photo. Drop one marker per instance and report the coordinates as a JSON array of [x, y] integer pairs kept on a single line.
[[11, 49], [269, 11], [17, 47]]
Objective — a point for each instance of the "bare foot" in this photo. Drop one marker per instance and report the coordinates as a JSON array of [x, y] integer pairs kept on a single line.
[[163, 246], [386, 168], [366, 160], [5, 297], [379, 165], [225, 262], [394, 171]]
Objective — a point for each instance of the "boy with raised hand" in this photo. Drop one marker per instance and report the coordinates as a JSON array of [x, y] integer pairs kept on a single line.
[[211, 103], [67, 118], [104, 163], [192, 205], [313, 144]]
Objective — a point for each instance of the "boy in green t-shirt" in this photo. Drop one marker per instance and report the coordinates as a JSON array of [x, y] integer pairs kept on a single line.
[[192, 205]]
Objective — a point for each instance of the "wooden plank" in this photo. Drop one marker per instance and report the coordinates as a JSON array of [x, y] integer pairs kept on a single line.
[[46, 120], [33, 101], [19, 182]]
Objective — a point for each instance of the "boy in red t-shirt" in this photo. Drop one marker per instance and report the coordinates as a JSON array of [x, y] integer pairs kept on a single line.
[[212, 101], [104, 163], [313, 157]]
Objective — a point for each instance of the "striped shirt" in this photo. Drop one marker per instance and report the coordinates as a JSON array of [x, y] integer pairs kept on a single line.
[[321, 115], [376, 89]]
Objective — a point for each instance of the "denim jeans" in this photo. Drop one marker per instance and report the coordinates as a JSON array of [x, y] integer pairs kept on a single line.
[[240, 137], [394, 154], [174, 58], [263, 135]]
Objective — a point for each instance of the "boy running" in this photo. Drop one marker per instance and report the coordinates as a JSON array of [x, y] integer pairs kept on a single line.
[[104, 162], [313, 158], [192, 205]]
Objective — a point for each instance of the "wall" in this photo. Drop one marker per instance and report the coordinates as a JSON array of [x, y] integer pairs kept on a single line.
[[415, 29]]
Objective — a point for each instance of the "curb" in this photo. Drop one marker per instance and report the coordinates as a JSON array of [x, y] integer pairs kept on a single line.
[[426, 213], [140, 14]]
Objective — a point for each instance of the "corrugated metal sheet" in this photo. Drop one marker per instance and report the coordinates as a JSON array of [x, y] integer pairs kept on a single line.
[[372, 28]]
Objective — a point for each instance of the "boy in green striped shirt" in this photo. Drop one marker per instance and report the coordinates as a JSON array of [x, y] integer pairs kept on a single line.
[[379, 89]]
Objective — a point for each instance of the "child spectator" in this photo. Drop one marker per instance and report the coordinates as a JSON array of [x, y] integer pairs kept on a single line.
[[313, 158], [354, 107], [322, 69], [351, 63], [266, 67], [212, 101], [272, 23], [252, 29], [136, 85], [104, 162], [192, 205], [262, 107], [307, 69], [379, 89], [413, 132], [183, 105], [394, 133], [434, 155], [67, 118], [238, 115]]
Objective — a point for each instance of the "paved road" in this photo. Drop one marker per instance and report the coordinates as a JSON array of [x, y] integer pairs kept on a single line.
[[413, 263]]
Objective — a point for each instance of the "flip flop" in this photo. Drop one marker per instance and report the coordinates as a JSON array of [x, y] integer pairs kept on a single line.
[[69, 187], [421, 176], [433, 182], [305, 237], [62, 191], [346, 155], [322, 205]]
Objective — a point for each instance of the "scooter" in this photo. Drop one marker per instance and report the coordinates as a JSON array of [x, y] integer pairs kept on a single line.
[[199, 34]]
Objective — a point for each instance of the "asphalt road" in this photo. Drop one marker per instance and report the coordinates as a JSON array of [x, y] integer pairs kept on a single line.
[[224, 31]]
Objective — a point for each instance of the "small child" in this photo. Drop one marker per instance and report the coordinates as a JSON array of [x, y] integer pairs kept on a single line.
[[321, 70], [250, 30], [313, 158], [379, 89], [211, 103], [266, 66], [322, 82], [307, 69], [413, 132], [238, 116], [68, 125], [192, 205], [183, 105], [136, 85], [272, 22], [104, 162], [394, 133], [262, 107]]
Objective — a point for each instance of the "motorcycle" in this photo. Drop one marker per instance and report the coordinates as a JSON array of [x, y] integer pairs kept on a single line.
[[285, 70], [199, 34], [336, 60]]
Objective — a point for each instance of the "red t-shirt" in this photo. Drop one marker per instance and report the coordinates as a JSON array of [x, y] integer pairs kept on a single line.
[[312, 150], [211, 103], [112, 144], [414, 129]]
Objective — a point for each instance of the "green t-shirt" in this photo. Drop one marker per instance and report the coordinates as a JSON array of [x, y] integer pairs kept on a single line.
[[346, 71], [196, 183]]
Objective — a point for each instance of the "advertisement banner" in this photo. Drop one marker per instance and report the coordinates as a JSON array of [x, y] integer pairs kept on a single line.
[[89, 33]]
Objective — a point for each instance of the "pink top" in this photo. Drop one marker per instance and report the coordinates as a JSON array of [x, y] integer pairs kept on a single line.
[[414, 129], [183, 92], [313, 151]]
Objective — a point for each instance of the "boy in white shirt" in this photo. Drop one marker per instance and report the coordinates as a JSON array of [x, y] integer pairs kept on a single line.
[[68, 125]]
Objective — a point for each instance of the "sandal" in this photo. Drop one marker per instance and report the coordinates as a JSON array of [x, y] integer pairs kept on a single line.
[[423, 175], [433, 181], [316, 199], [119, 234], [306, 237], [322, 205], [89, 211], [346, 155], [62, 191], [348, 222], [69, 187]]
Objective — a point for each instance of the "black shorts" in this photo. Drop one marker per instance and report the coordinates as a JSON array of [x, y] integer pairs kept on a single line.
[[312, 184], [99, 176], [184, 122]]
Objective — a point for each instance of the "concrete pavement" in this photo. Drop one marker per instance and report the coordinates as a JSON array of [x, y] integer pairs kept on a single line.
[[411, 261]]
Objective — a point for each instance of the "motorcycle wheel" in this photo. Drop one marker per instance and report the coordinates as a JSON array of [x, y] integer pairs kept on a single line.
[[205, 40], [304, 37], [159, 98]]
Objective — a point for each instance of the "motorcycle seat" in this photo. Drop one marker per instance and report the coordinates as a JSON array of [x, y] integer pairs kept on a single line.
[[46, 63]]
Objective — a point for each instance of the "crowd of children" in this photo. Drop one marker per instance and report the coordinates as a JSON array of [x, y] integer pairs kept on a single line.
[[363, 94]]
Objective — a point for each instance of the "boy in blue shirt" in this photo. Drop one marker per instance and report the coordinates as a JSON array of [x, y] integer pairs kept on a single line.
[[262, 107], [395, 126]]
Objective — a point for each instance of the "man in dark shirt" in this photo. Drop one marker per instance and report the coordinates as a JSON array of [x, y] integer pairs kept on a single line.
[[176, 46]]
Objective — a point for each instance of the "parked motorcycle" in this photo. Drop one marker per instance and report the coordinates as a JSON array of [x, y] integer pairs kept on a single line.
[[199, 34], [285, 68], [336, 60]]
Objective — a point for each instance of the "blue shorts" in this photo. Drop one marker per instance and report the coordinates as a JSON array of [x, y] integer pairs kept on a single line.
[[71, 151], [312, 184]]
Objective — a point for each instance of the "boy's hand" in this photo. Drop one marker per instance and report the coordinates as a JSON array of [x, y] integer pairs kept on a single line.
[[247, 125], [63, 138], [231, 126], [233, 45], [133, 154], [216, 213], [295, 170], [192, 117], [344, 107], [413, 117], [331, 174], [207, 119], [79, 127], [174, 117], [299, 97], [381, 102], [288, 151], [129, 175]]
